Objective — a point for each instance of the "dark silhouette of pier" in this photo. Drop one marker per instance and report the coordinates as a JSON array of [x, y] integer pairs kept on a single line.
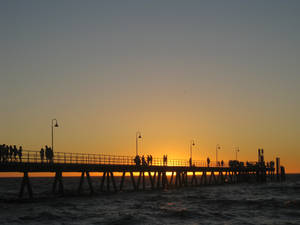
[[182, 173]]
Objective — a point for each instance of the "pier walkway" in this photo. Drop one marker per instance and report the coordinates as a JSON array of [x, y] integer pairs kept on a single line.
[[160, 174]]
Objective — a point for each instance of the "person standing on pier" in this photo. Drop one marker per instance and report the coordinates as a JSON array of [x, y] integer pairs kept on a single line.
[[51, 154], [20, 153], [6, 153], [143, 160], [222, 163], [165, 160], [137, 160], [1, 152], [42, 153], [15, 151], [148, 160], [208, 161], [47, 153], [11, 152]]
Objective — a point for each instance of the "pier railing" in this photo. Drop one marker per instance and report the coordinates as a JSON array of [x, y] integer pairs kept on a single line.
[[29, 156]]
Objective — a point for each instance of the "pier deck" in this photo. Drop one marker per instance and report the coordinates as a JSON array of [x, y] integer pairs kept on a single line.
[[181, 173]]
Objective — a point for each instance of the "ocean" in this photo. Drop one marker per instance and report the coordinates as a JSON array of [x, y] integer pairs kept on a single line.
[[269, 203]]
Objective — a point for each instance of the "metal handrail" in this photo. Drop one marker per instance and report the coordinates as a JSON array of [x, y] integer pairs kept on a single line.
[[29, 156]]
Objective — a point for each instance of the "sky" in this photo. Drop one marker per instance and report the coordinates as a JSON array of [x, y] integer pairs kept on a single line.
[[216, 72]]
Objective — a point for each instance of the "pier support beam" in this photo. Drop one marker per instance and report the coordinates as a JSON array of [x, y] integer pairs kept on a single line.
[[82, 180], [122, 180], [151, 180], [230, 177], [221, 178], [113, 181], [58, 181], [108, 175], [171, 179], [194, 179], [165, 183], [158, 180], [184, 178], [178, 179], [133, 181], [25, 182], [103, 180], [139, 180], [203, 180]]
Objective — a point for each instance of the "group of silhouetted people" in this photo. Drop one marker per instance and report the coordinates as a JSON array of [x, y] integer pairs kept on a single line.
[[141, 160], [148, 161], [10, 153], [165, 160], [46, 153]]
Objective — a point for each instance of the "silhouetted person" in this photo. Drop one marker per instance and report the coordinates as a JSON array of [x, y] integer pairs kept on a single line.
[[47, 153], [222, 163], [51, 154], [1, 152], [42, 153], [15, 151], [148, 159], [11, 152], [20, 153], [137, 160], [6, 152], [151, 159], [208, 161], [144, 161], [190, 161]]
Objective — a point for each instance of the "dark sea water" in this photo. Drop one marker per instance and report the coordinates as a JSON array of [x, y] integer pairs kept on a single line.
[[270, 203]]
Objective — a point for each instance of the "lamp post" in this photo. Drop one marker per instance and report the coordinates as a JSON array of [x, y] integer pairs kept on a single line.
[[236, 152], [52, 126], [218, 147], [191, 148], [138, 136]]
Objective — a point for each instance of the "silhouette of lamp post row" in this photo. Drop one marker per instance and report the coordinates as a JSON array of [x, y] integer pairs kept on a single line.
[[52, 131], [218, 147], [138, 136]]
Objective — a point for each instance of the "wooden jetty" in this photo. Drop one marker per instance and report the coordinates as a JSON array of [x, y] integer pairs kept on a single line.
[[160, 174]]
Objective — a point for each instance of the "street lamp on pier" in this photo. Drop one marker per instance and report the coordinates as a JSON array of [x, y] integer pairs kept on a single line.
[[237, 149], [218, 147], [138, 136], [52, 126], [191, 149]]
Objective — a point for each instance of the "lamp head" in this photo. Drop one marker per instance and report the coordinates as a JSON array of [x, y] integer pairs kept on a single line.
[[56, 124], [140, 136]]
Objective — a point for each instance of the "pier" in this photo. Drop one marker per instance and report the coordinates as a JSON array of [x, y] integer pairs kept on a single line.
[[159, 174]]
